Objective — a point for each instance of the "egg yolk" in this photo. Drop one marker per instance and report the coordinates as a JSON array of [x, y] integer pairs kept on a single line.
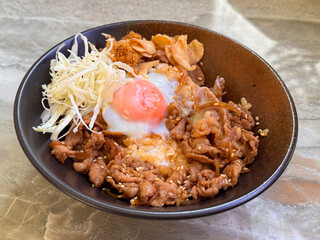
[[140, 100]]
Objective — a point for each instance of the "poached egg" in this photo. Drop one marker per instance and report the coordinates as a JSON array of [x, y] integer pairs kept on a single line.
[[139, 106]]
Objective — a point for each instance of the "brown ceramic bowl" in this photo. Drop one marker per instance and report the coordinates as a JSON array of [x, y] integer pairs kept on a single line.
[[246, 74]]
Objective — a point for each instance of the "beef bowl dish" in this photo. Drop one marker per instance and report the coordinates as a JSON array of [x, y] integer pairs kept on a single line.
[[156, 119]]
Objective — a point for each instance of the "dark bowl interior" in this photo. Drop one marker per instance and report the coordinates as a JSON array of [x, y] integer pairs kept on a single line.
[[246, 74]]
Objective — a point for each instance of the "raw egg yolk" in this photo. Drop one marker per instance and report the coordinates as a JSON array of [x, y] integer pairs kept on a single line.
[[140, 100]]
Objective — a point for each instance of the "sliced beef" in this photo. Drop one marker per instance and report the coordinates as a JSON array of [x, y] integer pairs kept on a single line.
[[97, 172], [179, 130], [147, 191], [197, 76], [110, 149], [175, 123], [245, 120], [233, 171], [166, 194], [250, 146], [174, 116], [83, 166], [61, 151], [208, 186]]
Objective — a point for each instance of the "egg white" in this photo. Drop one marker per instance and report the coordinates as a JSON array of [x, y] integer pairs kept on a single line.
[[166, 86]]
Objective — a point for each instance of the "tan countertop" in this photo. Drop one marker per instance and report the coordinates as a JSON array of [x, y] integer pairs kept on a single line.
[[285, 33]]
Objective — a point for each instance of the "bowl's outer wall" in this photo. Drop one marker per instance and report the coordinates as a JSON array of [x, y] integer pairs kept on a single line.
[[246, 75]]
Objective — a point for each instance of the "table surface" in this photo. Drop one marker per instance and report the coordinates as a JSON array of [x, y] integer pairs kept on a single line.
[[285, 33]]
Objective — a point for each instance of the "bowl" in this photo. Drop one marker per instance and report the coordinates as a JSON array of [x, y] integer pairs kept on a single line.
[[246, 74]]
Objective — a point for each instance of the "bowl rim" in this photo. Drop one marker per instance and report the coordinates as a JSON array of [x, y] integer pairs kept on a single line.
[[88, 200]]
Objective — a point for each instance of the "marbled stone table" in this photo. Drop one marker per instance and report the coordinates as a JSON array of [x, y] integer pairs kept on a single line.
[[285, 33]]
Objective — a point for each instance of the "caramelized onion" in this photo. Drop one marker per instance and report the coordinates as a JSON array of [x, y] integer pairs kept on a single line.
[[217, 167], [219, 105], [108, 191]]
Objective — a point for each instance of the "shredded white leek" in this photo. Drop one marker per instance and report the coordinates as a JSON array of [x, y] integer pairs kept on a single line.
[[77, 86]]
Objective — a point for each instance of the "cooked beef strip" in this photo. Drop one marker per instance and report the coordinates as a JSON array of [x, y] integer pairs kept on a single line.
[[197, 76]]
